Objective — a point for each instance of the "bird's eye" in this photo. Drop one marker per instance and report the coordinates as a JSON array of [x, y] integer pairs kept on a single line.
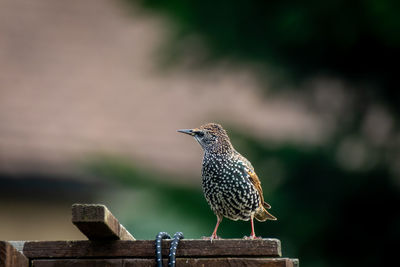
[[200, 134]]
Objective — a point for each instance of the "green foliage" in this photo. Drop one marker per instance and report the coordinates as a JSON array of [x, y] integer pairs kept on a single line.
[[356, 40], [326, 215], [153, 201]]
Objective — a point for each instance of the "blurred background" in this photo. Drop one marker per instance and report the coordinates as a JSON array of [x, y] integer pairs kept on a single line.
[[92, 93]]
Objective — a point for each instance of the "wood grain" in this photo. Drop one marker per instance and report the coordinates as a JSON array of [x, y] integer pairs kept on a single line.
[[11, 257], [96, 222], [200, 262], [146, 248]]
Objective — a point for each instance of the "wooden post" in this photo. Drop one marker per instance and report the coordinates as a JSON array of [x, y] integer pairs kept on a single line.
[[97, 223], [11, 257]]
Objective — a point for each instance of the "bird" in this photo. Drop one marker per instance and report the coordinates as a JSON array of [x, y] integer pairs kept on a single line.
[[230, 184]]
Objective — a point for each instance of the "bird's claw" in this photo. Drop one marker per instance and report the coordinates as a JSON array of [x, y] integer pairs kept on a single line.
[[211, 238]]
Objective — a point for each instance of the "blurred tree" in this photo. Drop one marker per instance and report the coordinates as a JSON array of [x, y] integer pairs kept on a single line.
[[356, 40], [327, 216], [329, 198]]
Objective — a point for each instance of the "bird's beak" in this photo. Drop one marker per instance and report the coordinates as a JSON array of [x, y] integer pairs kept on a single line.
[[188, 131]]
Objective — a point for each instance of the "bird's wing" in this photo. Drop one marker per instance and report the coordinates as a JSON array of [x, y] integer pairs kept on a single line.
[[253, 178], [245, 161], [257, 184], [267, 206]]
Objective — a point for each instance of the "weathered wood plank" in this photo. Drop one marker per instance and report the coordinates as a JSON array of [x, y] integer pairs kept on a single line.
[[146, 248], [11, 257], [97, 223], [199, 262]]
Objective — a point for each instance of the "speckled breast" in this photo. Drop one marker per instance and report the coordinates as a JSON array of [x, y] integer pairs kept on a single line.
[[227, 188]]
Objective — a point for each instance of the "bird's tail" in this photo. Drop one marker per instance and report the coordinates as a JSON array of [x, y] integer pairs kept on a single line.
[[262, 214]]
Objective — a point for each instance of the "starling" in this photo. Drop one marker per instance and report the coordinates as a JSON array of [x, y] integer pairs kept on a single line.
[[230, 185]]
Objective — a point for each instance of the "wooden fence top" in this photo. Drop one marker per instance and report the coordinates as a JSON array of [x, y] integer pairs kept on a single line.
[[112, 245], [189, 262], [146, 248]]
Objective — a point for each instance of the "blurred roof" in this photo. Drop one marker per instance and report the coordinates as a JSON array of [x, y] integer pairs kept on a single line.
[[81, 77]]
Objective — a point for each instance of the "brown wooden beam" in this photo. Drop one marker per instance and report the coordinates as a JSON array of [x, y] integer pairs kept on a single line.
[[222, 262], [11, 257], [146, 248], [97, 223]]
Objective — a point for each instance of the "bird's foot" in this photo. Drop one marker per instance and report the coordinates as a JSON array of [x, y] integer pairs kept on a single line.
[[211, 238], [252, 237]]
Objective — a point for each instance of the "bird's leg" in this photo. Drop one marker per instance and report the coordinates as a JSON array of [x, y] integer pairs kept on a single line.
[[214, 234], [253, 234]]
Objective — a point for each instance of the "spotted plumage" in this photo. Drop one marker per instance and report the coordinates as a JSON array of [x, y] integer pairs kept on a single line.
[[230, 185]]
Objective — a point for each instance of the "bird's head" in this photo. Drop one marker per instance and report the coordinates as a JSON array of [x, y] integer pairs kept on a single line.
[[212, 137]]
